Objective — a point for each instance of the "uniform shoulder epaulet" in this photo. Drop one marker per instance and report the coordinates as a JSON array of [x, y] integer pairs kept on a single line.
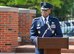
[[55, 18], [36, 18]]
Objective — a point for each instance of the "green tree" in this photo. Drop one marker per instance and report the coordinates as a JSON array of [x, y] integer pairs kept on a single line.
[[61, 9], [65, 10]]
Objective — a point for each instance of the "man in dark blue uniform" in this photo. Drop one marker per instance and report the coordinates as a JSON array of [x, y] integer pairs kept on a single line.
[[45, 26]]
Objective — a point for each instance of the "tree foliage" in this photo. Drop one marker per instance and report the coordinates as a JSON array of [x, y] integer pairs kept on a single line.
[[62, 8]]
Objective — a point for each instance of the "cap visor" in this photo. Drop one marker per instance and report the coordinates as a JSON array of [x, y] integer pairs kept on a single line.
[[44, 8]]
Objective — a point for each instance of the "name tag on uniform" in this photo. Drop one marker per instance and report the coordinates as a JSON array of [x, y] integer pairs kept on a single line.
[[38, 26]]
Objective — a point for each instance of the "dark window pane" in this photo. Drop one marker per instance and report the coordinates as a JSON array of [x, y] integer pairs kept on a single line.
[[73, 23], [68, 24]]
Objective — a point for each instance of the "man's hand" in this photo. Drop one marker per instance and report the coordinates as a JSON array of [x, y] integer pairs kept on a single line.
[[35, 40]]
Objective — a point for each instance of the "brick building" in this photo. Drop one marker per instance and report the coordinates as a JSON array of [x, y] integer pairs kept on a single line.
[[25, 20], [13, 22], [8, 28]]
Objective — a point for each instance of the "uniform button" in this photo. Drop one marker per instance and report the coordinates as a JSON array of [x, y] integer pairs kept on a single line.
[[39, 32]]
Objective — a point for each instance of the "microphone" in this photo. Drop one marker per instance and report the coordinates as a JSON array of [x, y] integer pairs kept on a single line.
[[46, 29], [48, 25]]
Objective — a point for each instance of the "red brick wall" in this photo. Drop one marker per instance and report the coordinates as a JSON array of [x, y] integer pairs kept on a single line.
[[22, 22], [8, 30], [25, 21], [12, 23]]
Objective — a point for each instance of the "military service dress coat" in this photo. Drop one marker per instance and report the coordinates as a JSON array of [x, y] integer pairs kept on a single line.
[[38, 28]]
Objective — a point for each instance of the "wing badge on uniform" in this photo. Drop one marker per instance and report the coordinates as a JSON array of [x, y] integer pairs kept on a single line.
[[53, 25]]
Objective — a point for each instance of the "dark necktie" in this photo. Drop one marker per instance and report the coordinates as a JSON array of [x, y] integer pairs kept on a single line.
[[45, 20]]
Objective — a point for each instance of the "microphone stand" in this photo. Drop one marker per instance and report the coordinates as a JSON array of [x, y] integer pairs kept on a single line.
[[47, 29]]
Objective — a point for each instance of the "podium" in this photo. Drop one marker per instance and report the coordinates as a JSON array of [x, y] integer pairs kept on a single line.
[[52, 45]]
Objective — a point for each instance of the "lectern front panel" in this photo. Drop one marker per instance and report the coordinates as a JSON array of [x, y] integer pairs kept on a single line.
[[52, 43]]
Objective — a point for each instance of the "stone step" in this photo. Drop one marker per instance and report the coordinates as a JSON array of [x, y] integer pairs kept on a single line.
[[25, 49], [67, 53], [70, 50], [31, 53], [31, 49]]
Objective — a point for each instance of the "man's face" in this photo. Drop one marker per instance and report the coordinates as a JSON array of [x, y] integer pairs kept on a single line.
[[45, 13]]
